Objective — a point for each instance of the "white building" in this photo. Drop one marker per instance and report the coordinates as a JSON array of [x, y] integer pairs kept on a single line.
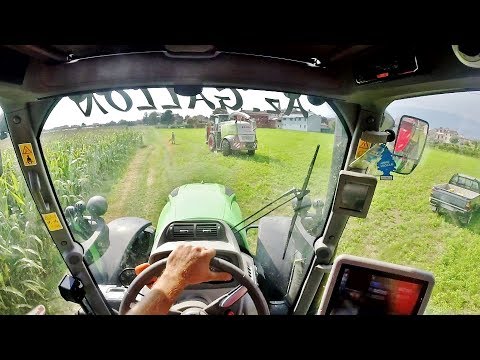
[[296, 121], [443, 135]]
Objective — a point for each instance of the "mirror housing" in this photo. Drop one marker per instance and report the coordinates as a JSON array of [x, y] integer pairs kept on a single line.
[[409, 144]]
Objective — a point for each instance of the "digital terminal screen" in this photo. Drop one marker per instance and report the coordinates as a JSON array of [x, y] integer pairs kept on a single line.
[[359, 290]]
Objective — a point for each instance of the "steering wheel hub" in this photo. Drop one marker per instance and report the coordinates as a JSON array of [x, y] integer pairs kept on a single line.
[[194, 311]]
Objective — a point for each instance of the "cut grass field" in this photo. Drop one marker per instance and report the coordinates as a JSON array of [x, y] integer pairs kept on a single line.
[[400, 227], [280, 163]]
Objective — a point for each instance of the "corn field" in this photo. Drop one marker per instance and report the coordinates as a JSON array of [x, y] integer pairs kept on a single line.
[[81, 163]]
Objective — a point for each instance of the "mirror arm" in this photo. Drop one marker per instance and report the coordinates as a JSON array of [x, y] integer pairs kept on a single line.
[[378, 137]]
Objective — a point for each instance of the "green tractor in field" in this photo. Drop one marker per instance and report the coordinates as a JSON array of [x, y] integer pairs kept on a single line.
[[232, 132]]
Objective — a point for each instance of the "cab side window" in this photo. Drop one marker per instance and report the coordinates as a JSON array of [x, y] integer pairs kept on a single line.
[[475, 186], [468, 184]]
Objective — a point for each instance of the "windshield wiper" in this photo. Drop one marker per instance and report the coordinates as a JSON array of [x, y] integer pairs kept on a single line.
[[291, 191], [299, 194], [300, 198]]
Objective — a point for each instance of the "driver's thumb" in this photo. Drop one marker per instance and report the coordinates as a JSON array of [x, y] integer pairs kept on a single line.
[[220, 276]]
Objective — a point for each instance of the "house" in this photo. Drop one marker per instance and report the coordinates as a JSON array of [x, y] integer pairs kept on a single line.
[[443, 135], [263, 119], [313, 123]]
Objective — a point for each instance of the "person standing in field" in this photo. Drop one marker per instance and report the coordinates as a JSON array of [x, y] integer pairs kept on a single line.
[[172, 139]]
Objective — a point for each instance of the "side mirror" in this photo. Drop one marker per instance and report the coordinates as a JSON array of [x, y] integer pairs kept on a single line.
[[409, 144]]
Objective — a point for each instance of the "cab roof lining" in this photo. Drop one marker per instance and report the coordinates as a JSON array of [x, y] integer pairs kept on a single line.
[[31, 72]]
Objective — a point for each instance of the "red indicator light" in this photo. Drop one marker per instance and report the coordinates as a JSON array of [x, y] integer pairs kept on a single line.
[[382, 75]]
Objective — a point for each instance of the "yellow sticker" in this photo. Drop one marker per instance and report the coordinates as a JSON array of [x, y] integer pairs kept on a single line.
[[52, 221], [27, 154], [362, 148]]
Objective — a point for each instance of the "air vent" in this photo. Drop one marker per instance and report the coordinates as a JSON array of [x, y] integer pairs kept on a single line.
[[207, 231], [182, 232], [250, 271]]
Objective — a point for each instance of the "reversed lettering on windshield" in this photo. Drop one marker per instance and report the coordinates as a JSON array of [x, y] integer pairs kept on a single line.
[[232, 101]]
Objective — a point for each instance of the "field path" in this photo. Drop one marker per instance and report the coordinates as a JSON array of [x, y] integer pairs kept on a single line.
[[159, 167], [134, 194]]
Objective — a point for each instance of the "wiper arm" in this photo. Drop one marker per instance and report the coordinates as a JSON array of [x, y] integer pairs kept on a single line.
[[275, 208], [297, 194], [291, 191], [300, 198]]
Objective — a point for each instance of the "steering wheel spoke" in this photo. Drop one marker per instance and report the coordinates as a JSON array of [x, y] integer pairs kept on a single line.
[[224, 302]]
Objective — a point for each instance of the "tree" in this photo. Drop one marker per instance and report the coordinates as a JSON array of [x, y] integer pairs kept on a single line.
[[191, 122], [331, 125], [475, 144], [167, 117], [152, 118], [454, 140], [219, 111], [178, 119]]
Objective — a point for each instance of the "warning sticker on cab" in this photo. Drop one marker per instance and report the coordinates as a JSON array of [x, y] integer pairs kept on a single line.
[[27, 154], [52, 221], [362, 148]]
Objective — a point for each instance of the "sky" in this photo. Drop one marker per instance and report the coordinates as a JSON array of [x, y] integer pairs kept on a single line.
[[457, 111], [67, 112]]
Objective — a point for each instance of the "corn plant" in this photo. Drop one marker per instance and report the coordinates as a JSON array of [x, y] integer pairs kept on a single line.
[[79, 162]]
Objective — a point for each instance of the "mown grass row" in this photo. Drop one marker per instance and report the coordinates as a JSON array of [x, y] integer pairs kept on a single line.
[[80, 165]]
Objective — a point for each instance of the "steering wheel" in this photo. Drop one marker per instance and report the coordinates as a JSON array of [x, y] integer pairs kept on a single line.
[[216, 307]]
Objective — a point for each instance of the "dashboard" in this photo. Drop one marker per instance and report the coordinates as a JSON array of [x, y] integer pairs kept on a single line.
[[214, 234]]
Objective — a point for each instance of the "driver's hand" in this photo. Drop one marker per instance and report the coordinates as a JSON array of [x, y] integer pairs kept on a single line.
[[190, 264]]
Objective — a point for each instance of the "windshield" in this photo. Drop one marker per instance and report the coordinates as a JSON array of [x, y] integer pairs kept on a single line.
[[160, 157]]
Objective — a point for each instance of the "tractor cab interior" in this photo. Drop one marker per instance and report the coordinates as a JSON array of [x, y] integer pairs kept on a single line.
[[112, 156]]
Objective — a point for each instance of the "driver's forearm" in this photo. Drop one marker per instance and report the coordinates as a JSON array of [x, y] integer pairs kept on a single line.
[[161, 296]]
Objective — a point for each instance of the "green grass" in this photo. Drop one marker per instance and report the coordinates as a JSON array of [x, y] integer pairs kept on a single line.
[[280, 163]]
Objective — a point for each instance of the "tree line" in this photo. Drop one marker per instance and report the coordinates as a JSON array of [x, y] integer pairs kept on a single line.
[[169, 118], [470, 149]]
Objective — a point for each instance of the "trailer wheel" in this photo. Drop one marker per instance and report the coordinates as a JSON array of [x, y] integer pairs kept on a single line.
[[211, 142], [251, 152], [226, 150]]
